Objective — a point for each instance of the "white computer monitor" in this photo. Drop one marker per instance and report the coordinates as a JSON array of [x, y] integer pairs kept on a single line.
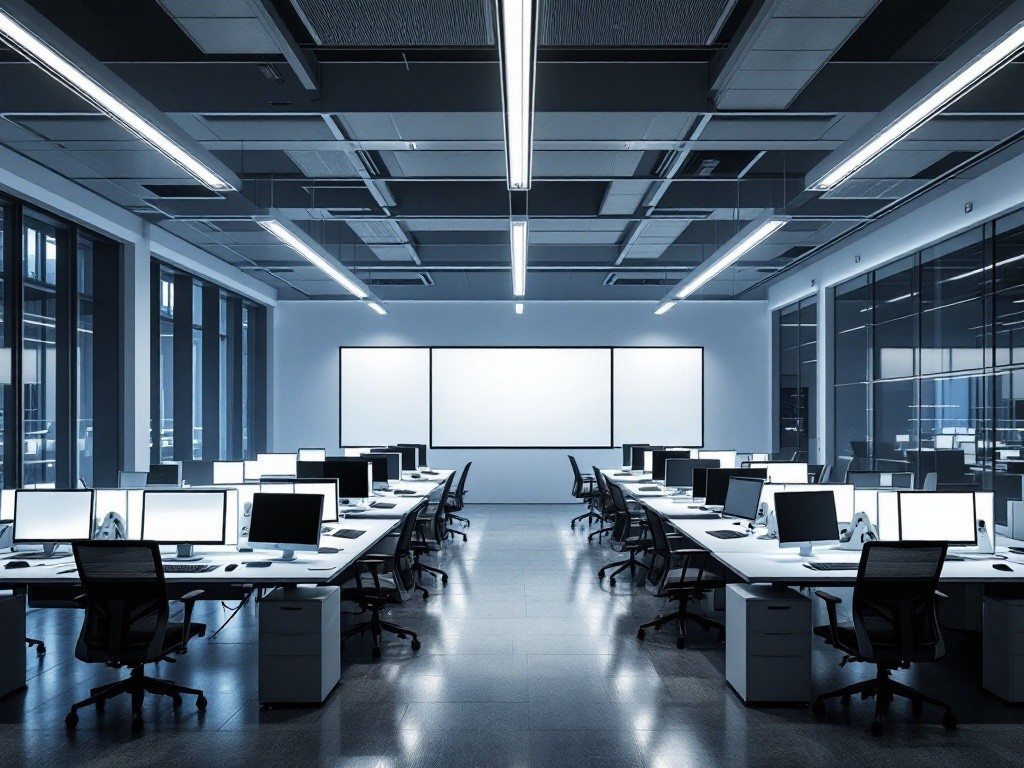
[[130, 479], [185, 518], [286, 522], [315, 487], [944, 442], [276, 464], [784, 471], [806, 520], [942, 516], [312, 454], [7, 504], [726, 459], [228, 472], [250, 470], [51, 517]]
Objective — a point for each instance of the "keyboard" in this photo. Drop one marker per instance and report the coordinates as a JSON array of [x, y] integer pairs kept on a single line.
[[832, 566], [348, 533], [728, 534], [382, 505], [188, 568]]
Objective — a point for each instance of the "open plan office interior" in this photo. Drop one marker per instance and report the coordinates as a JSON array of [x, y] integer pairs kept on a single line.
[[511, 383]]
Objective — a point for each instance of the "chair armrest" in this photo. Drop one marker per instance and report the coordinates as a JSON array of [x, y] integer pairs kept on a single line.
[[191, 597], [189, 601], [689, 551], [941, 595], [831, 601]]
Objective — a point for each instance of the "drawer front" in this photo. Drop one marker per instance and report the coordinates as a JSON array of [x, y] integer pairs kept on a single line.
[[293, 618], [278, 644], [779, 679], [778, 617], [759, 644], [289, 683]]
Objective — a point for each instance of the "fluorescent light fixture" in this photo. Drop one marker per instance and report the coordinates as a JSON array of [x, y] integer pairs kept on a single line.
[[980, 270], [952, 89], [665, 307], [519, 231], [717, 264], [376, 307], [519, 307], [518, 66], [54, 64], [306, 251]]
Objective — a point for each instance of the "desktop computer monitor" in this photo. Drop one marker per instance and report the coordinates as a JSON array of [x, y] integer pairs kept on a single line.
[[627, 453], [640, 458], [394, 464], [354, 476], [164, 474], [197, 472], [130, 479], [286, 522], [679, 472], [726, 459], [743, 497], [421, 453], [310, 469], [794, 472], [311, 454], [717, 482], [302, 486], [51, 518], [228, 472], [184, 518], [379, 464], [939, 516], [806, 519], [659, 458], [408, 452], [251, 470], [1007, 488], [276, 464], [944, 442]]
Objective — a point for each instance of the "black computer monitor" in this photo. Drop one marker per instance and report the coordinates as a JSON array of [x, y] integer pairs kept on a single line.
[[637, 458], [322, 486], [421, 453], [393, 468], [950, 467], [1006, 488], [409, 455], [354, 476], [660, 457], [627, 452], [806, 519], [743, 497], [679, 473], [717, 482], [164, 474], [379, 464], [310, 469], [197, 472], [286, 522]]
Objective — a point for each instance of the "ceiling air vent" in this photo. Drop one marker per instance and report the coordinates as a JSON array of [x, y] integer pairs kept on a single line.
[[400, 278], [182, 191], [619, 278]]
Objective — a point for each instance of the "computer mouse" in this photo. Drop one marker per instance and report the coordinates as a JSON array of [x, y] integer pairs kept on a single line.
[[415, 475], [997, 566], [16, 564], [231, 567]]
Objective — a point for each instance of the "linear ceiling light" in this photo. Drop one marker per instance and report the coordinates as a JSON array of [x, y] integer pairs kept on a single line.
[[664, 307], [306, 251], [54, 64], [376, 307], [956, 86], [519, 307], [717, 264], [518, 68], [519, 231]]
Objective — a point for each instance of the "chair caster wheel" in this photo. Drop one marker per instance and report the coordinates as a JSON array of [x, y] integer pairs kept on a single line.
[[680, 642], [415, 645], [916, 706], [176, 701], [611, 582], [641, 634], [41, 650], [877, 728], [844, 700], [949, 721], [375, 653], [573, 526], [201, 703], [137, 723], [444, 579], [71, 721], [818, 709], [401, 636], [600, 575]]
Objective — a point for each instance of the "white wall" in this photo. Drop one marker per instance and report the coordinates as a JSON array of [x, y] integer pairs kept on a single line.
[[736, 337]]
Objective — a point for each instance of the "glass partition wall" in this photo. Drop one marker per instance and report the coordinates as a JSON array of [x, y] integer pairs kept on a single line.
[[797, 380]]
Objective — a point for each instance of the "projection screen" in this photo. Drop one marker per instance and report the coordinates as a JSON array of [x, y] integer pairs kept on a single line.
[[519, 397], [385, 395]]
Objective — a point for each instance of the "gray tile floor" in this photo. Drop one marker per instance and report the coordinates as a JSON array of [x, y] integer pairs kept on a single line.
[[527, 660]]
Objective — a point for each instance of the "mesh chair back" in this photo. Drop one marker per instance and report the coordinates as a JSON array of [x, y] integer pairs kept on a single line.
[[623, 517], [604, 495], [438, 517], [894, 602], [403, 550], [841, 468], [662, 558], [126, 609], [456, 503]]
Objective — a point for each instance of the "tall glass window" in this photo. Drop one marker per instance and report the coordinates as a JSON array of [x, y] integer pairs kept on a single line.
[[163, 433], [798, 379]]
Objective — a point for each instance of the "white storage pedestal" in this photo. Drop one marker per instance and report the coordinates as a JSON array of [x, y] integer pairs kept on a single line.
[[300, 645], [768, 644]]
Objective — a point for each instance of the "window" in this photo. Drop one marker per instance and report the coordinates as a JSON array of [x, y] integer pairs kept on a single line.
[[797, 327]]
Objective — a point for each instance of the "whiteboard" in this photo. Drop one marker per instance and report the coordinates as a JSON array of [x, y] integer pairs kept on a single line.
[[659, 395], [385, 395], [520, 397]]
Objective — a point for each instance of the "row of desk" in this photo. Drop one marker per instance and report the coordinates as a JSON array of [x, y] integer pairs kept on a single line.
[[757, 563]]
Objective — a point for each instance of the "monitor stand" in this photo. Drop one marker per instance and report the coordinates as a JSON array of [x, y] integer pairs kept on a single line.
[[186, 553], [806, 550], [49, 550], [287, 555]]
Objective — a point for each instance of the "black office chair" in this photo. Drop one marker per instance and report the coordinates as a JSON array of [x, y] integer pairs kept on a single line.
[[629, 535], [382, 580], [456, 503], [39, 645], [842, 466], [680, 575], [127, 622], [431, 529], [584, 488], [894, 624], [605, 506]]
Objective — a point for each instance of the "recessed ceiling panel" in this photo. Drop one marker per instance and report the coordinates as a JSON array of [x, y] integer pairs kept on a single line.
[[631, 23], [398, 23]]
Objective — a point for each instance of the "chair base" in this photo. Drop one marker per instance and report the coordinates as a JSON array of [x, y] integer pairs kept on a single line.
[[464, 520], [680, 616], [39, 645], [377, 627], [418, 567], [632, 563], [137, 685], [601, 532], [883, 688], [590, 516], [453, 533]]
